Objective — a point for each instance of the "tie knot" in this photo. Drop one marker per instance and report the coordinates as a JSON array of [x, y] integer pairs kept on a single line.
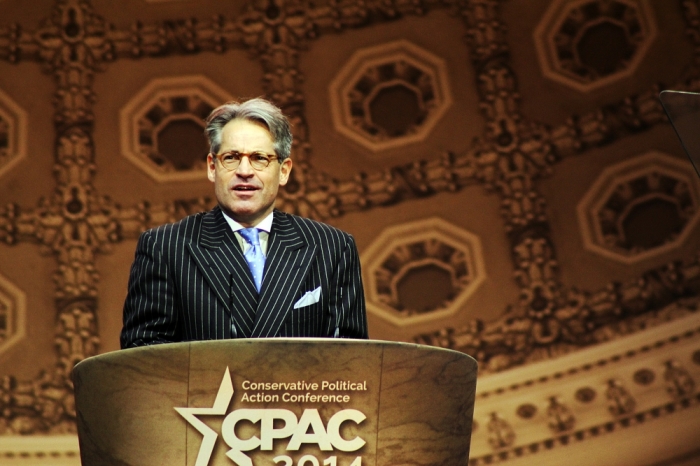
[[250, 235]]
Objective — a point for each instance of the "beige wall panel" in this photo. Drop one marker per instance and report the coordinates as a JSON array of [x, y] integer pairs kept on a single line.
[[567, 186], [16, 11], [25, 184], [233, 71], [31, 273], [472, 209], [126, 12], [438, 33], [552, 102], [114, 275], [32, 178]]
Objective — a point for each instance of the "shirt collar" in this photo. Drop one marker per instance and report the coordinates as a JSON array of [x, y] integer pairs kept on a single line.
[[264, 225]]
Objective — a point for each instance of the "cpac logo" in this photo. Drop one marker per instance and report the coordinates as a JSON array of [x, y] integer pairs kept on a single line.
[[308, 429]]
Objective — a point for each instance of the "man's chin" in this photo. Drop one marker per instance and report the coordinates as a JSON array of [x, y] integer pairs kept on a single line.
[[245, 215]]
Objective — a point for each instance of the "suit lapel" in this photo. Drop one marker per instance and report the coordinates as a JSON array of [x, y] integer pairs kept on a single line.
[[287, 263], [219, 258]]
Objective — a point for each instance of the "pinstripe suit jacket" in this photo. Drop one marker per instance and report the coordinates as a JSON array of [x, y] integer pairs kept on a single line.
[[190, 281]]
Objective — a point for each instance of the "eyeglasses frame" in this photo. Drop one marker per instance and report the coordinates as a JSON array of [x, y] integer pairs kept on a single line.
[[271, 158]]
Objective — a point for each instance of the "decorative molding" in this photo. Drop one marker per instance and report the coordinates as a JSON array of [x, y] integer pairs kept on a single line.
[[629, 186], [568, 27], [525, 335], [559, 415], [164, 101], [58, 450], [73, 224], [13, 133], [416, 77], [403, 248]]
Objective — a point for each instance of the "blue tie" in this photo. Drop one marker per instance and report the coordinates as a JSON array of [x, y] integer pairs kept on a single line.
[[254, 255]]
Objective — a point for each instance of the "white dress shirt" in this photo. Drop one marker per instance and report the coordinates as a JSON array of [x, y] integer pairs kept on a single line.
[[264, 228]]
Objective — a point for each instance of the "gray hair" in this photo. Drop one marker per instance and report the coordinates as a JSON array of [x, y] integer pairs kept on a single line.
[[257, 109]]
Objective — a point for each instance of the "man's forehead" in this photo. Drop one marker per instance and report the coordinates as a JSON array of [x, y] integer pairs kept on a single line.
[[246, 131]]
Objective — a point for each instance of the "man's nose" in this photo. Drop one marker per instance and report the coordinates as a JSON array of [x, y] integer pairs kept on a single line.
[[245, 169]]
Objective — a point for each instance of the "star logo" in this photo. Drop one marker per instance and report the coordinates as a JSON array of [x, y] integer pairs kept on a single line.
[[223, 399], [274, 424]]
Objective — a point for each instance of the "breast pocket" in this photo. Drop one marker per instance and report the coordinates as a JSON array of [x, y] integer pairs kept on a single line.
[[307, 321]]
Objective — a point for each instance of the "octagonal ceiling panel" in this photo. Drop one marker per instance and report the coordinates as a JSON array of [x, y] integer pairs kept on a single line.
[[162, 127], [587, 44], [390, 95], [421, 271], [13, 311], [13, 133], [640, 208]]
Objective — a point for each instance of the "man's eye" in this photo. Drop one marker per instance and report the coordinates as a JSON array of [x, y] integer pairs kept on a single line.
[[255, 157], [230, 157]]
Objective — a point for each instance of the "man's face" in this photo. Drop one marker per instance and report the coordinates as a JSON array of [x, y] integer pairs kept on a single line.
[[245, 194]]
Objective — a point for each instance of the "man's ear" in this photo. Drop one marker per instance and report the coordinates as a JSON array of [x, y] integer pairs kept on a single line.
[[285, 170], [211, 167]]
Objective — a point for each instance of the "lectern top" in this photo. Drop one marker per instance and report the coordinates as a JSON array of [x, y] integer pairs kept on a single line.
[[276, 401], [683, 110]]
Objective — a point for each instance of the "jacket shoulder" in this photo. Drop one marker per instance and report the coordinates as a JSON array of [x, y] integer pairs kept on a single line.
[[183, 228], [316, 229]]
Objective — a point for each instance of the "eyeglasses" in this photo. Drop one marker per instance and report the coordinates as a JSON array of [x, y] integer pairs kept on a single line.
[[258, 160]]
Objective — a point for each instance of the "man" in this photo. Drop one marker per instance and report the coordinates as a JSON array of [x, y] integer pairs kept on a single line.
[[244, 269]]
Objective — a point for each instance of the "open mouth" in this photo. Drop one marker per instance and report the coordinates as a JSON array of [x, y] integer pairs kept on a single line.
[[244, 188]]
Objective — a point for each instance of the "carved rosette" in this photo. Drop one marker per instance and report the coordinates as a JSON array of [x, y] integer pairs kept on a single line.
[[76, 222], [679, 382], [500, 432], [560, 417], [587, 44]]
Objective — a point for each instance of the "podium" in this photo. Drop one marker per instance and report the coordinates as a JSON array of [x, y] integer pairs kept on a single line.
[[683, 111], [287, 402]]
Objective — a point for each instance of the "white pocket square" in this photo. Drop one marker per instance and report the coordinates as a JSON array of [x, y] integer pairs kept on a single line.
[[309, 298]]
